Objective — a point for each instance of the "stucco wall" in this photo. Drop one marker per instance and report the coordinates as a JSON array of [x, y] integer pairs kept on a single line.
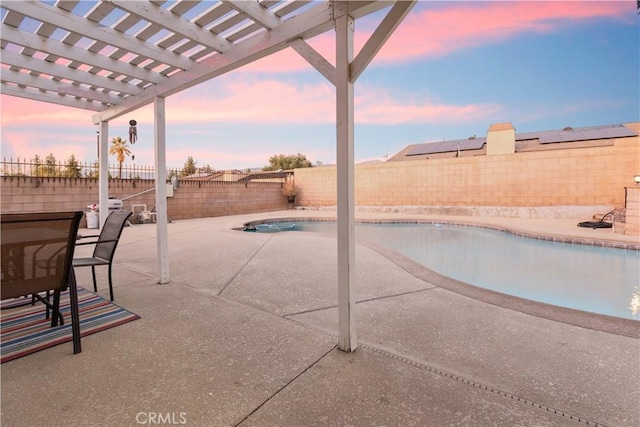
[[570, 177]]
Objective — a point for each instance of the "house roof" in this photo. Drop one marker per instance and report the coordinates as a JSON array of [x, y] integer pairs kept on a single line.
[[570, 134], [589, 133], [267, 175], [447, 146]]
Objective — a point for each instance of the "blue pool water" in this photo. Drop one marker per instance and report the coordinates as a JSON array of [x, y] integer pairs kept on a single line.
[[590, 278]]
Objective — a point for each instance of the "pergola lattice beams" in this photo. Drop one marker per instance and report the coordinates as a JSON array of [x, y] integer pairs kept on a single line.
[[70, 52], [264, 43], [139, 69], [76, 24], [257, 13], [122, 53], [27, 80], [48, 97], [252, 49], [182, 29]]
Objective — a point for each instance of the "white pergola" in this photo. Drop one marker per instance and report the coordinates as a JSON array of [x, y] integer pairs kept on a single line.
[[114, 57]]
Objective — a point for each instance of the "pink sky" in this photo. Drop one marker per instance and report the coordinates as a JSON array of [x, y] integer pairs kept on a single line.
[[424, 35]]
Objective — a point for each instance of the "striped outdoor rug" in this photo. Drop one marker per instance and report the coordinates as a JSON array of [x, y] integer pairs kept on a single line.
[[25, 330]]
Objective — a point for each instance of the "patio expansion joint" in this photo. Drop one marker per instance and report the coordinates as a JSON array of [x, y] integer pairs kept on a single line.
[[291, 381], [515, 399], [134, 269], [243, 266], [383, 297], [471, 383], [442, 373]]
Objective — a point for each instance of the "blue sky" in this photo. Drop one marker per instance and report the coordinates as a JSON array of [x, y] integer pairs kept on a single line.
[[451, 70]]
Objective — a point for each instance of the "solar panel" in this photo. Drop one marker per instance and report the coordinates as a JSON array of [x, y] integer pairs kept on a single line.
[[545, 137], [579, 134], [447, 146]]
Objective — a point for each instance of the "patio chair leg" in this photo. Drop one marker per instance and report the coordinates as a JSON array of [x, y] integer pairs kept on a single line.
[[95, 284], [47, 310], [55, 312], [110, 284], [75, 313]]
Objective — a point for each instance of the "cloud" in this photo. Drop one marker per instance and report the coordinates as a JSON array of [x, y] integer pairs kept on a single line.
[[428, 31], [254, 96], [24, 112], [244, 101], [452, 26], [241, 100], [435, 29], [24, 145], [378, 105]]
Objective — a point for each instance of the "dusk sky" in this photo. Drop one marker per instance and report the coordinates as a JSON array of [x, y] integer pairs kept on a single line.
[[449, 71]]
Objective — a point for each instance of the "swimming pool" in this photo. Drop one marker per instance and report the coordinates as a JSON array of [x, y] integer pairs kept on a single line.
[[589, 278]]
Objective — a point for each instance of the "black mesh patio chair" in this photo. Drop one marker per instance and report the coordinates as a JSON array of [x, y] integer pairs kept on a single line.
[[37, 256], [105, 246]]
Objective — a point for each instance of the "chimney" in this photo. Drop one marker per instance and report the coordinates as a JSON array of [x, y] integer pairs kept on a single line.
[[501, 139]]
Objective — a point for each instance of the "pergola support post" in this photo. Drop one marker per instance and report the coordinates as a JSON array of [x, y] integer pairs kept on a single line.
[[103, 176], [345, 182], [159, 122]]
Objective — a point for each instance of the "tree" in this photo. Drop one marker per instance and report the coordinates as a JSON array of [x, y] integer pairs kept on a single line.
[[120, 149], [36, 166], [94, 170], [287, 162], [189, 167], [50, 165], [72, 168]]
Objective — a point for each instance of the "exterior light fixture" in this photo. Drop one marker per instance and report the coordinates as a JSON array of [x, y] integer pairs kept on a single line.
[[636, 179]]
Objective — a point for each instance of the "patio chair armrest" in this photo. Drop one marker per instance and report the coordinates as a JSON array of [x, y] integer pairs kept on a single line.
[[95, 242], [84, 236], [86, 243]]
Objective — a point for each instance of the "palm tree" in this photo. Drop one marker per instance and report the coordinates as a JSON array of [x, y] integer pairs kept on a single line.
[[120, 148]]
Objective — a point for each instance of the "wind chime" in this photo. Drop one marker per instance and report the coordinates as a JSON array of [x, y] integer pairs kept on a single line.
[[133, 131]]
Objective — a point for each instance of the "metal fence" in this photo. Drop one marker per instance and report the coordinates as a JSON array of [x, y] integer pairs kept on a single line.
[[38, 168]]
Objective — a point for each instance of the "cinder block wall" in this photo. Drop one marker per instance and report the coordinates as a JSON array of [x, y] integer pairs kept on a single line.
[[31, 194], [191, 200], [570, 177], [201, 199], [632, 226], [594, 176]]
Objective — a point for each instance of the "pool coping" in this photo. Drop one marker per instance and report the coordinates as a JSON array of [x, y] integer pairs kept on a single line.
[[584, 319], [516, 232]]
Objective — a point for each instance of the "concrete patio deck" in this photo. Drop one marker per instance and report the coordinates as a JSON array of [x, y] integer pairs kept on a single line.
[[245, 335]]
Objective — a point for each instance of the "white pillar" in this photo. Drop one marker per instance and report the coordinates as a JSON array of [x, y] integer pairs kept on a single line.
[[161, 189], [103, 177], [345, 164]]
